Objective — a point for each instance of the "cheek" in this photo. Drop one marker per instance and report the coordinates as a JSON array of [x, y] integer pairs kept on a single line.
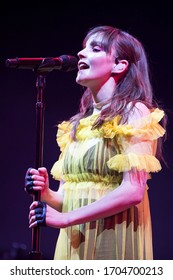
[[101, 69], [101, 66]]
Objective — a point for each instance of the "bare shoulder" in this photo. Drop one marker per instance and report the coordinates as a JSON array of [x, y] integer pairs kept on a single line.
[[139, 110], [141, 107]]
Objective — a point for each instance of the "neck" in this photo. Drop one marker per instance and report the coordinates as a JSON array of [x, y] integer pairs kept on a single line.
[[102, 104], [104, 94]]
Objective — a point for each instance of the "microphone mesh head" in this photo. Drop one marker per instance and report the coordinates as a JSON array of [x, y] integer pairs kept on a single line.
[[69, 62]]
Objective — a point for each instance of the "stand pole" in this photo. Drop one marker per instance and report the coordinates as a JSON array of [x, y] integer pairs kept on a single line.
[[35, 254]]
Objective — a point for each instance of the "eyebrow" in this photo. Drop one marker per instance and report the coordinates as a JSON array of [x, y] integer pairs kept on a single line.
[[96, 43]]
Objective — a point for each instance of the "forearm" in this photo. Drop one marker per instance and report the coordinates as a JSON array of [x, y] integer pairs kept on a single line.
[[129, 193], [54, 199], [115, 202]]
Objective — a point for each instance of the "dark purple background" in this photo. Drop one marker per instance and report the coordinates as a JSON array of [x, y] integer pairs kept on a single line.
[[41, 29]]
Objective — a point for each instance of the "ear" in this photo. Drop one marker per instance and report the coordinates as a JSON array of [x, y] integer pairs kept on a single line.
[[120, 67]]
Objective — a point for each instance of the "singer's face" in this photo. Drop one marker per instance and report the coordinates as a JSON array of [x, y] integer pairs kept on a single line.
[[95, 65]]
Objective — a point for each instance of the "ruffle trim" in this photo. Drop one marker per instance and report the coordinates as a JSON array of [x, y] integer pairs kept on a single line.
[[63, 134], [146, 128], [122, 163], [56, 170]]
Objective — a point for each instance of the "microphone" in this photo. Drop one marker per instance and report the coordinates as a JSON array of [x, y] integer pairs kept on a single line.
[[64, 63]]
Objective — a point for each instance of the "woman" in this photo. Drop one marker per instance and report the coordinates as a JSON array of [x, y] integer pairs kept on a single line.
[[108, 151]]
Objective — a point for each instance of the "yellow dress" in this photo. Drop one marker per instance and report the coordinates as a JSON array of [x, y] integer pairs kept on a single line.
[[92, 166]]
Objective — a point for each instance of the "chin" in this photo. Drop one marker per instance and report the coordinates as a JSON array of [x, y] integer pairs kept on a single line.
[[80, 81]]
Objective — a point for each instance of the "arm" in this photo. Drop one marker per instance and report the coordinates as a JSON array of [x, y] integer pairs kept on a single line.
[[129, 193], [54, 198]]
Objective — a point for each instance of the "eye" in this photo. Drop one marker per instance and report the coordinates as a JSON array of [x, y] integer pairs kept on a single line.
[[97, 49]]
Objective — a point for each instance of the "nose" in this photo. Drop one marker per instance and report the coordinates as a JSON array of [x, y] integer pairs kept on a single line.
[[81, 54]]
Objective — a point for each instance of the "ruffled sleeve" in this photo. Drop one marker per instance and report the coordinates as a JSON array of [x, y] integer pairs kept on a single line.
[[63, 134], [137, 143], [62, 138]]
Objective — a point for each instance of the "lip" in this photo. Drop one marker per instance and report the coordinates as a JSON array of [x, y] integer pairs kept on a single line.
[[82, 65]]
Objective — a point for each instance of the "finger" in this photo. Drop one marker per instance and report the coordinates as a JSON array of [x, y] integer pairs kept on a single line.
[[28, 177], [34, 183], [38, 210], [38, 213], [33, 205], [39, 178], [28, 172], [29, 186], [32, 171], [37, 219], [35, 211], [34, 224], [38, 183], [29, 183], [31, 214], [32, 219], [34, 189], [42, 170]]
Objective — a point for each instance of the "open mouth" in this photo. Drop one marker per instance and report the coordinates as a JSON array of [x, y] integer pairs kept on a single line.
[[82, 66]]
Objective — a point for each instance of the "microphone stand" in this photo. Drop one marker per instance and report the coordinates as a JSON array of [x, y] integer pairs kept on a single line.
[[35, 254], [64, 63]]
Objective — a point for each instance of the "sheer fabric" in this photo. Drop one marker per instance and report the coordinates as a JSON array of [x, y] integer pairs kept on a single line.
[[92, 166]]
